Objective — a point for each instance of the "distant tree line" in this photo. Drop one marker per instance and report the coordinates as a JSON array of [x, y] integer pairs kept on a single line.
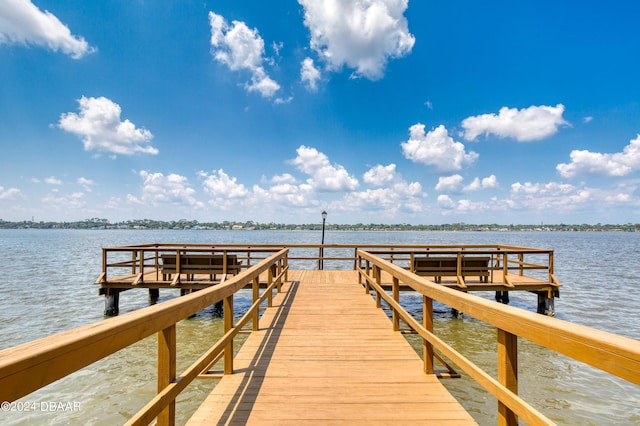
[[99, 224]]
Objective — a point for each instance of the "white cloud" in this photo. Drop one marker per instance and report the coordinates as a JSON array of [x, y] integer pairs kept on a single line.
[[451, 183], [362, 35], [380, 175], [541, 196], [309, 74], [489, 182], [241, 48], [390, 201], [222, 187], [86, 183], [284, 194], [324, 175], [22, 22], [9, 193], [617, 164], [436, 148], [283, 178], [158, 189], [99, 126], [445, 202], [51, 180], [66, 202], [587, 119], [527, 124], [391, 194]]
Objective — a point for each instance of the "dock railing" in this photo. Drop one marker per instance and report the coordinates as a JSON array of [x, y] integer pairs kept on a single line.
[[613, 354], [139, 259], [31, 366]]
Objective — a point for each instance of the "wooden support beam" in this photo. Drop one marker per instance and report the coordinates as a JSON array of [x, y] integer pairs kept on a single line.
[[507, 374], [228, 325], [167, 372], [427, 323]]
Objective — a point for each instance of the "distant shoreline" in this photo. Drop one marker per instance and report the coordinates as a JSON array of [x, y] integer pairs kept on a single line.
[[147, 224]]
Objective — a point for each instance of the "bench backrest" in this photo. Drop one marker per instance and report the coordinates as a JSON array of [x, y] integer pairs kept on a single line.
[[448, 266], [201, 263]]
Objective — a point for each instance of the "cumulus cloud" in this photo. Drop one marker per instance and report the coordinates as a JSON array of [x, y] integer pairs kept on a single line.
[[585, 162], [436, 148], [21, 22], [241, 48], [158, 189], [285, 194], [9, 193], [451, 183], [401, 196], [362, 35], [51, 180], [283, 178], [223, 189], [541, 196], [101, 129], [445, 202], [324, 175], [309, 74], [488, 182], [380, 175], [390, 193], [523, 125]]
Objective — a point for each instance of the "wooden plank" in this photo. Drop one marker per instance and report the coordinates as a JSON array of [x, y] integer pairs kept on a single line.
[[334, 360]]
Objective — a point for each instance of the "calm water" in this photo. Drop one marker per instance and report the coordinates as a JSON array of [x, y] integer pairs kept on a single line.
[[46, 285]]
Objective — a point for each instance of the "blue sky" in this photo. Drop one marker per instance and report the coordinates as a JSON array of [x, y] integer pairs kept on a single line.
[[378, 111]]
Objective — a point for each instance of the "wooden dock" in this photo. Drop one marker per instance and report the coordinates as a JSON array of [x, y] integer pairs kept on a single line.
[[323, 351], [335, 362]]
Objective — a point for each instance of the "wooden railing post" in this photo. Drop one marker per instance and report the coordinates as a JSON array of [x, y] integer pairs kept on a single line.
[[427, 322], [279, 271], [228, 325], [167, 372], [256, 295], [286, 271], [134, 256], [376, 276], [521, 261], [356, 260], [395, 318], [505, 267], [269, 281], [104, 263], [507, 374]]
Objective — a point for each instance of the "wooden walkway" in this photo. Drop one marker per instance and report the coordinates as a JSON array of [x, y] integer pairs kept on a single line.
[[331, 360]]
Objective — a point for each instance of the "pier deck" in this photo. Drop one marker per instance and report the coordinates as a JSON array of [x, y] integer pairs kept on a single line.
[[334, 362]]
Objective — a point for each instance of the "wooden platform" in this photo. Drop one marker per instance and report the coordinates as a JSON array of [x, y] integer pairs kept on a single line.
[[330, 361]]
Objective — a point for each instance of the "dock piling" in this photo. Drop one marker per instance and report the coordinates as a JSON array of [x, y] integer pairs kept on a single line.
[[111, 302]]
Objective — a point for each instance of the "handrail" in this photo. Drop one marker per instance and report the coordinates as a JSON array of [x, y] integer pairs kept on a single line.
[[30, 366], [613, 354], [142, 253]]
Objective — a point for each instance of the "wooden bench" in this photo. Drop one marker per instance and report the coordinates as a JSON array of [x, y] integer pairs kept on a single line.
[[438, 267], [199, 264]]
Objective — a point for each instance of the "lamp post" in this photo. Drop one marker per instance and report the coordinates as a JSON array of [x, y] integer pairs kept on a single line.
[[321, 261]]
